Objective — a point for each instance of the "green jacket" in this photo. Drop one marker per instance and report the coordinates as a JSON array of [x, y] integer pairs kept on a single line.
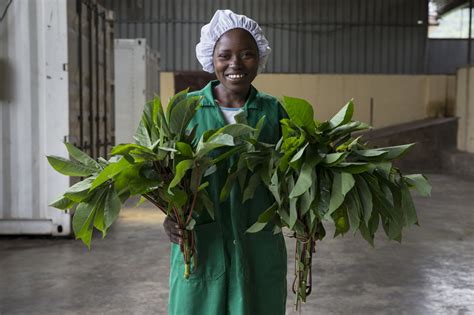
[[237, 273]]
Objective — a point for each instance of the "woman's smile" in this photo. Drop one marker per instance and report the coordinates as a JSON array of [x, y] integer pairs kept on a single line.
[[235, 76]]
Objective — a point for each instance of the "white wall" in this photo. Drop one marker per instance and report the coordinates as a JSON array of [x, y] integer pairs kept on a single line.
[[33, 116], [136, 82]]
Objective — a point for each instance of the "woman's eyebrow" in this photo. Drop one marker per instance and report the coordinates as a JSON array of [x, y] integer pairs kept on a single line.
[[242, 49]]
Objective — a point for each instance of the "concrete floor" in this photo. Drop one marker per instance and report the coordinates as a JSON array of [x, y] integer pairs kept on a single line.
[[431, 272]]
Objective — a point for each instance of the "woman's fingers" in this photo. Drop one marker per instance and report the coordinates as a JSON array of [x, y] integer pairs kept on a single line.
[[172, 230]]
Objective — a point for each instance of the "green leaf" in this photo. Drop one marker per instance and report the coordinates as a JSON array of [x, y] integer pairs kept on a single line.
[[259, 126], [203, 197], [304, 180], [324, 194], [225, 191], [128, 148], [343, 116], [365, 197], [175, 99], [371, 154], [341, 221], [341, 185], [178, 198], [139, 202], [373, 224], [234, 130], [364, 231], [142, 137], [82, 222], [83, 219], [347, 129], [99, 223], [62, 203], [274, 187], [227, 154], [70, 168], [111, 207], [110, 172], [217, 142], [182, 113], [268, 214], [157, 111], [353, 209], [353, 167], [181, 169], [420, 182], [79, 191], [299, 154], [241, 118], [252, 185], [300, 112], [82, 157], [383, 168], [293, 209], [408, 207], [191, 224], [185, 149], [305, 202], [203, 186], [332, 159], [396, 152], [256, 227]]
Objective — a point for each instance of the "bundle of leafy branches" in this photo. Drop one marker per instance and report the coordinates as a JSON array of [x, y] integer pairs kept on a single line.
[[165, 165], [319, 174]]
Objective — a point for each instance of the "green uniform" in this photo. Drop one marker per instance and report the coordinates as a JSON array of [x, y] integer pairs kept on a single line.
[[237, 273]]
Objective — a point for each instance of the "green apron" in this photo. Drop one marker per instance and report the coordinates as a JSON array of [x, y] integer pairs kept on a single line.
[[237, 273]]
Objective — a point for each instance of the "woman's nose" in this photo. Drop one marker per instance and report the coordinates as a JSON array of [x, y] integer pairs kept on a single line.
[[236, 62]]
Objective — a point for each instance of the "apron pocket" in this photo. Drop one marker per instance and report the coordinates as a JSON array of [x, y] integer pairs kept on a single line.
[[210, 260]]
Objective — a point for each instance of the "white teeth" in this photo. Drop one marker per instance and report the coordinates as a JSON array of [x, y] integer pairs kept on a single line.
[[235, 76]]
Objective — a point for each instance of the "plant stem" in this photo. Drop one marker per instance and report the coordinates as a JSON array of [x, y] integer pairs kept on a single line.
[[303, 258], [153, 201]]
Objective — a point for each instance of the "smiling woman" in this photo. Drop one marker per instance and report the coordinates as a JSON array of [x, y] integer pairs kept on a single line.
[[238, 273]]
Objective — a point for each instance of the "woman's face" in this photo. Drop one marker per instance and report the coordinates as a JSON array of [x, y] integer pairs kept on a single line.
[[236, 60]]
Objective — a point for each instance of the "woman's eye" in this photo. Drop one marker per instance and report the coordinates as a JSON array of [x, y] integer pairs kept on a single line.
[[248, 54], [223, 56]]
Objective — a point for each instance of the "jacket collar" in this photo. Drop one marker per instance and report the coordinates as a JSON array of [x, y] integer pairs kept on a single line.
[[209, 101]]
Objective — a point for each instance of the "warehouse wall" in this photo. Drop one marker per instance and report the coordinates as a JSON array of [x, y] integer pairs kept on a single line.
[[465, 108], [33, 116], [307, 36], [396, 98]]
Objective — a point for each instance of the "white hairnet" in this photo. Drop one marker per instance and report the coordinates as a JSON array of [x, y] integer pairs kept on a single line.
[[221, 22]]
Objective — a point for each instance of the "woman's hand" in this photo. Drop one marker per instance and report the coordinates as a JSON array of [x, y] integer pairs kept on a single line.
[[173, 230]]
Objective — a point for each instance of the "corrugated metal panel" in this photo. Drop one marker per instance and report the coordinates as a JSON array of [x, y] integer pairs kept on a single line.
[[91, 80], [307, 36], [446, 56]]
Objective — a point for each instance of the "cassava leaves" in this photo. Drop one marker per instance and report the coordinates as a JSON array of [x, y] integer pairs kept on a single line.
[[165, 165], [348, 184]]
